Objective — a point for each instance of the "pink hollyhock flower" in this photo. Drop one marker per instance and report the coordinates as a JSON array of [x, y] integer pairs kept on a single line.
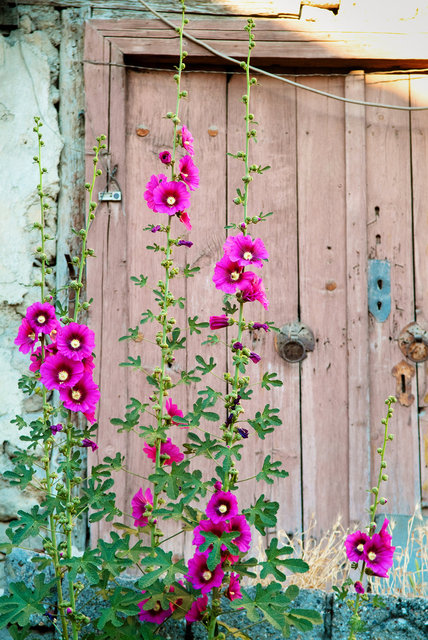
[[222, 506], [186, 140], [86, 442], [36, 360], [171, 197], [234, 589], [260, 325], [173, 410], [41, 316], [207, 525], [354, 545], [237, 346], [183, 216], [246, 251], [168, 449], [189, 172], [378, 556], [90, 415], [358, 587], [254, 357], [88, 364], [55, 428], [139, 503], [156, 228], [165, 157], [385, 536], [200, 577], [150, 187], [229, 276], [218, 486], [253, 289], [58, 372], [243, 539], [197, 609], [156, 614], [219, 322], [82, 396], [27, 336], [76, 341]]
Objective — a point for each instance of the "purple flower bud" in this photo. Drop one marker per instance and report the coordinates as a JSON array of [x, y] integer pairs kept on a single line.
[[255, 357], [218, 486], [165, 157], [89, 443], [243, 433], [69, 610], [184, 243], [55, 428], [157, 227], [359, 587], [237, 346], [260, 325], [219, 322], [229, 419]]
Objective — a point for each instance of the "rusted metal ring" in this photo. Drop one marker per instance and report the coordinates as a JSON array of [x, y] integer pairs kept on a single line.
[[293, 342]]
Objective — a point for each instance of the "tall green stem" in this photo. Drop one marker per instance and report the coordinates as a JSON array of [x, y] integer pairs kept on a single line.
[[69, 529]]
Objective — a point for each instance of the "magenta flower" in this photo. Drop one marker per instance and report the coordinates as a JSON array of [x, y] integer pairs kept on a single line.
[[222, 506], [58, 372], [88, 364], [354, 545], [27, 336], [218, 486], [156, 614], [155, 228], [234, 589], [150, 187], [385, 536], [36, 360], [55, 428], [358, 587], [229, 276], [169, 452], [186, 140], [173, 410], [76, 341], [189, 172], [243, 540], [183, 216], [254, 357], [207, 525], [41, 316], [82, 396], [170, 197], [197, 609], [260, 325], [253, 289], [86, 442], [200, 576], [165, 157], [246, 251], [184, 243], [139, 503], [219, 322], [238, 346], [378, 556], [90, 415]]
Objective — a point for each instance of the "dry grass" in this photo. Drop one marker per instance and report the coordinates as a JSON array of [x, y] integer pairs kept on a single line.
[[328, 564]]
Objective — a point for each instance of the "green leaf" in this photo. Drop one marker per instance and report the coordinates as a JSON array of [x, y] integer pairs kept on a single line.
[[270, 471], [195, 326], [22, 602], [215, 543], [173, 340], [243, 567], [211, 339], [164, 564], [263, 514], [204, 447], [89, 564], [205, 367], [189, 271], [233, 631], [270, 380], [228, 308], [133, 334], [133, 362], [28, 524], [274, 559], [21, 475], [147, 316], [266, 421], [141, 281], [124, 602]]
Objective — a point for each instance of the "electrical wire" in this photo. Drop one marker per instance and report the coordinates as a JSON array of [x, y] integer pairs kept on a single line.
[[333, 96]]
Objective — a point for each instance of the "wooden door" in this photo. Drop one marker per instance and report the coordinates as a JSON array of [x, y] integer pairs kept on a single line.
[[347, 186]]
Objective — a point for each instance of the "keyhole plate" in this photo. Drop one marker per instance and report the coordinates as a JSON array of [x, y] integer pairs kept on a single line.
[[403, 373], [379, 289]]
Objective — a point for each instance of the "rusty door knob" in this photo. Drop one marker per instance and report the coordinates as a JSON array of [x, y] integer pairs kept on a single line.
[[293, 341], [413, 342]]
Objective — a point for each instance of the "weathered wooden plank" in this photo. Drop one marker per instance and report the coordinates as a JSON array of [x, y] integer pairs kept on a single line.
[[389, 220], [419, 139], [210, 7], [357, 316], [275, 110], [323, 301]]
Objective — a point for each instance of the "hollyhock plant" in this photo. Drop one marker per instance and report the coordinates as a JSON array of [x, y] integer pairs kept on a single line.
[[41, 316], [156, 614], [169, 452], [186, 140], [260, 325], [183, 216], [234, 589], [82, 396], [27, 337], [86, 442], [240, 525], [222, 506], [200, 576], [55, 428], [197, 610], [355, 544], [152, 184], [245, 251], [219, 322], [189, 172], [378, 556], [229, 276], [139, 504], [207, 525], [185, 243], [170, 197], [253, 289], [75, 341], [58, 372], [165, 157], [173, 410]]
